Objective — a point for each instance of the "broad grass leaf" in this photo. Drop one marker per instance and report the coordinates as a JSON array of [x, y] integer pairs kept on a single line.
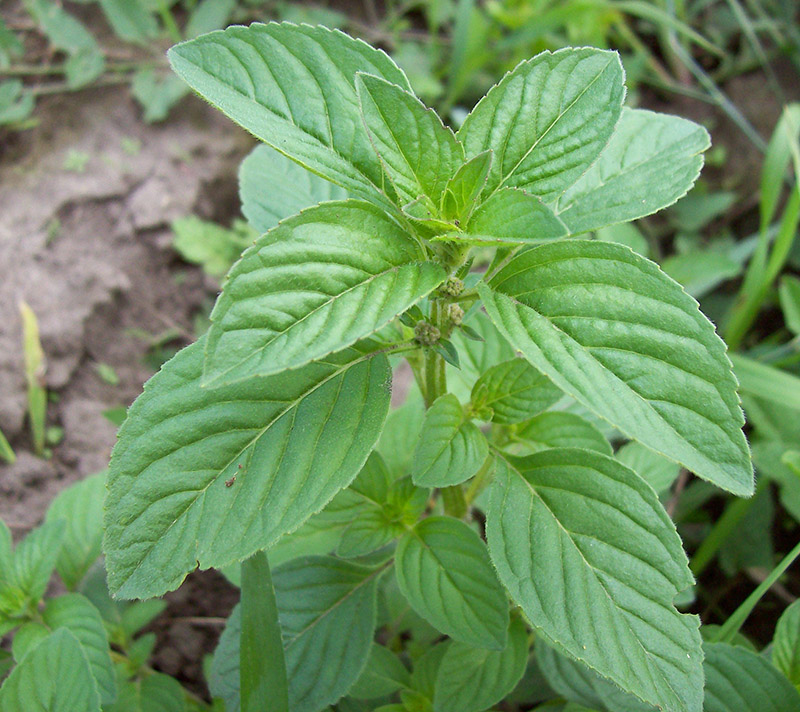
[[273, 188], [614, 332], [649, 163], [53, 677], [208, 476], [444, 571], [585, 548], [472, 679], [738, 679], [312, 286], [450, 449], [327, 611], [293, 87], [547, 120], [418, 152]]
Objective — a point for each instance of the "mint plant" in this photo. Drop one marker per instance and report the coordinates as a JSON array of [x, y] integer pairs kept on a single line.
[[490, 508]]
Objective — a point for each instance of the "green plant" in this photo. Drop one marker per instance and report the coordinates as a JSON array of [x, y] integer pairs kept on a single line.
[[267, 449]]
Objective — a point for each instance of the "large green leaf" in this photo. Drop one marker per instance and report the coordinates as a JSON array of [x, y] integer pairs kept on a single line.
[[651, 161], [613, 331], [315, 284], [739, 680], [450, 449], [559, 429], [786, 644], [76, 613], [383, 675], [511, 216], [208, 476], [547, 120], [473, 679], [53, 677], [586, 549], [418, 152], [293, 87], [515, 391], [273, 188], [154, 693], [327, 612], [81, 507], [444, 571]]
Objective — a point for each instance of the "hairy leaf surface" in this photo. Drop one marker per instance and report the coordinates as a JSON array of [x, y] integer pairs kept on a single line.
[[317, 283], [208, 476], [651, 161], [292, 86], [272, 188], [586, 549], [444, 571], [613, 331], [418, 152], [547, 120]]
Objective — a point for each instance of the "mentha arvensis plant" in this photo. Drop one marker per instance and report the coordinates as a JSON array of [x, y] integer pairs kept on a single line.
[[499, 515]]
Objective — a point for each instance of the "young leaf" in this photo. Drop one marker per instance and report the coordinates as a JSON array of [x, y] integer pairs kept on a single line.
[[443, 569], [208, 476], [511, 216], [383, 675], [157, 93], [81, 507], [557, 429], [35, 558], [418, 152], [473, 679], [515, 391], [293, 87], [450, 448], [613, 331], [547, 120], [738, 679], [586, 549], [273, 188], [53, 677], [76, 614], [327, 610], [466, 185], [651, 161], [786, 644], [315, 284]]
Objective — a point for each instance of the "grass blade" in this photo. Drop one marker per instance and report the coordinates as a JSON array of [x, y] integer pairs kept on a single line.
[[34, 375]]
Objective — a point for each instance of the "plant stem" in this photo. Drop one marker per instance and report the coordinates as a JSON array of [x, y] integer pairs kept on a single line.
[[435, 379], [169, 22], [731, 626], [262, 668], [455, 504]]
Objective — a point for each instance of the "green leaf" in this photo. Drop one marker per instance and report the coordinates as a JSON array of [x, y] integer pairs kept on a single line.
[[209, 15], [464, 188], [383, 675], [131, 20], [212, 246], [15, 103], [701, 271], [401, 433], [649, 163], [81, 507], [450, 449], [53, 677], [515, 391], [175, 473], [156, 93], [473, 679], [511, 216], [35, 558], [315, 284], [653, 468], [6, 451], [789, 294], [76, 614], [154, 693], [738, 679], [558, 429], [786, 644], [443, 569], [293, 87], [417, 151], [586, 549], [579, 684], [327, 610], [273, 188], [780, 388], [613, 331], [547, 120]]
